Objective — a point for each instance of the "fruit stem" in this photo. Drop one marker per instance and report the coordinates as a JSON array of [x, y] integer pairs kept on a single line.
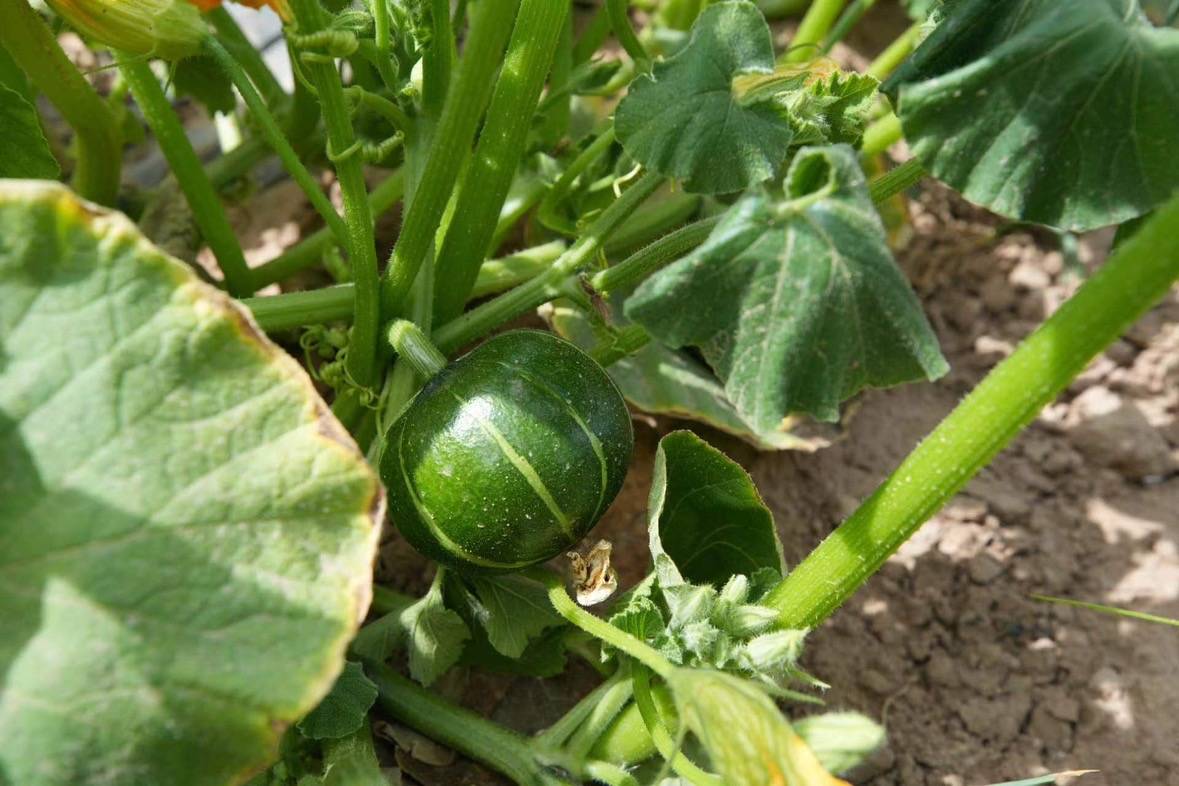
[[415, 347], [598, 627]]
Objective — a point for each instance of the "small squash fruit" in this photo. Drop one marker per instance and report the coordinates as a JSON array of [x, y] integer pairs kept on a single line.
[[509, 455]]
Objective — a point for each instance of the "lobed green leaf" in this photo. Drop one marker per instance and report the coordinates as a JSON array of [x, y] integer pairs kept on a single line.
[[1057, 113], [796, 303]]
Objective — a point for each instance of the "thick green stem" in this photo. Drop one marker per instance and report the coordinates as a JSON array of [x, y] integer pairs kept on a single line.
[[490, 26], [496, 275], [439, 58], [566, 726], [888, 60], [248, 56], [33, 47], [296, 309], [652, 222], [415, 347], [812, 30], [334, 304], [202, 198], [601, 716], [598, 627], [1138, 274], [847, 20], [485, 183], [310, 250], [881, 135], [658, 254], [478, 738], [343, 151], [896, 180], [617, 10], [275, 138], [554, 282]]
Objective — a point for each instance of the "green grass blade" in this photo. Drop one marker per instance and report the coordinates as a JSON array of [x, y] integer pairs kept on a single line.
[[1053, 778], [1137, 615]]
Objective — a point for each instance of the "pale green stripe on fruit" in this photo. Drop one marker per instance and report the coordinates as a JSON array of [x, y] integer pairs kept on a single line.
[[428, 519], [595, 443], [521, 464]]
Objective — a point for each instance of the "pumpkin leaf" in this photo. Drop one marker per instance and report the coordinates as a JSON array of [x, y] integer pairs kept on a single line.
[[1057, 113], [796, 303], [187, 533], [706, 522], [434, 635], [352, 761], [344, 709], [25, 151], [665, 381], [513, 610], [684, 121]]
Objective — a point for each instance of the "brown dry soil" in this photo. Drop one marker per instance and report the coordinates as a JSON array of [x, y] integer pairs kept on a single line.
[[975, 681]]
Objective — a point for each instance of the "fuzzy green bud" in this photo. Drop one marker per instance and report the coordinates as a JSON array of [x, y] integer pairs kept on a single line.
[[169, 29]]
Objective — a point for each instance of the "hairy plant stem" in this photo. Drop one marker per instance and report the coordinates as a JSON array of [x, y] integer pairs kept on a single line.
[[812, 30], [99, 141], [896, 52], [342, 149], [568, 724], [438, 59], [249, 58], [415, 347], [334, 304], [310, 250], [896, 180], [202, 198], [647, 260], [274, 136], [559, 280], [297, 309], [598, 627], [496, 275], [1137, 275], [482, 740], [485, 183], [847, 20], [881, 135], [491, 24]]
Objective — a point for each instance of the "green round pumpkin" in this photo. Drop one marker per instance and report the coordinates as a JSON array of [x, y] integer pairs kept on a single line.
[[509, 455]]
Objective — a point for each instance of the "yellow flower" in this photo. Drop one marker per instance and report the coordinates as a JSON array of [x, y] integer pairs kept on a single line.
[[171, 29]]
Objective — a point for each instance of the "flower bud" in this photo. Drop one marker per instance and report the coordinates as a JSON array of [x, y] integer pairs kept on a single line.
[[170, 29]]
